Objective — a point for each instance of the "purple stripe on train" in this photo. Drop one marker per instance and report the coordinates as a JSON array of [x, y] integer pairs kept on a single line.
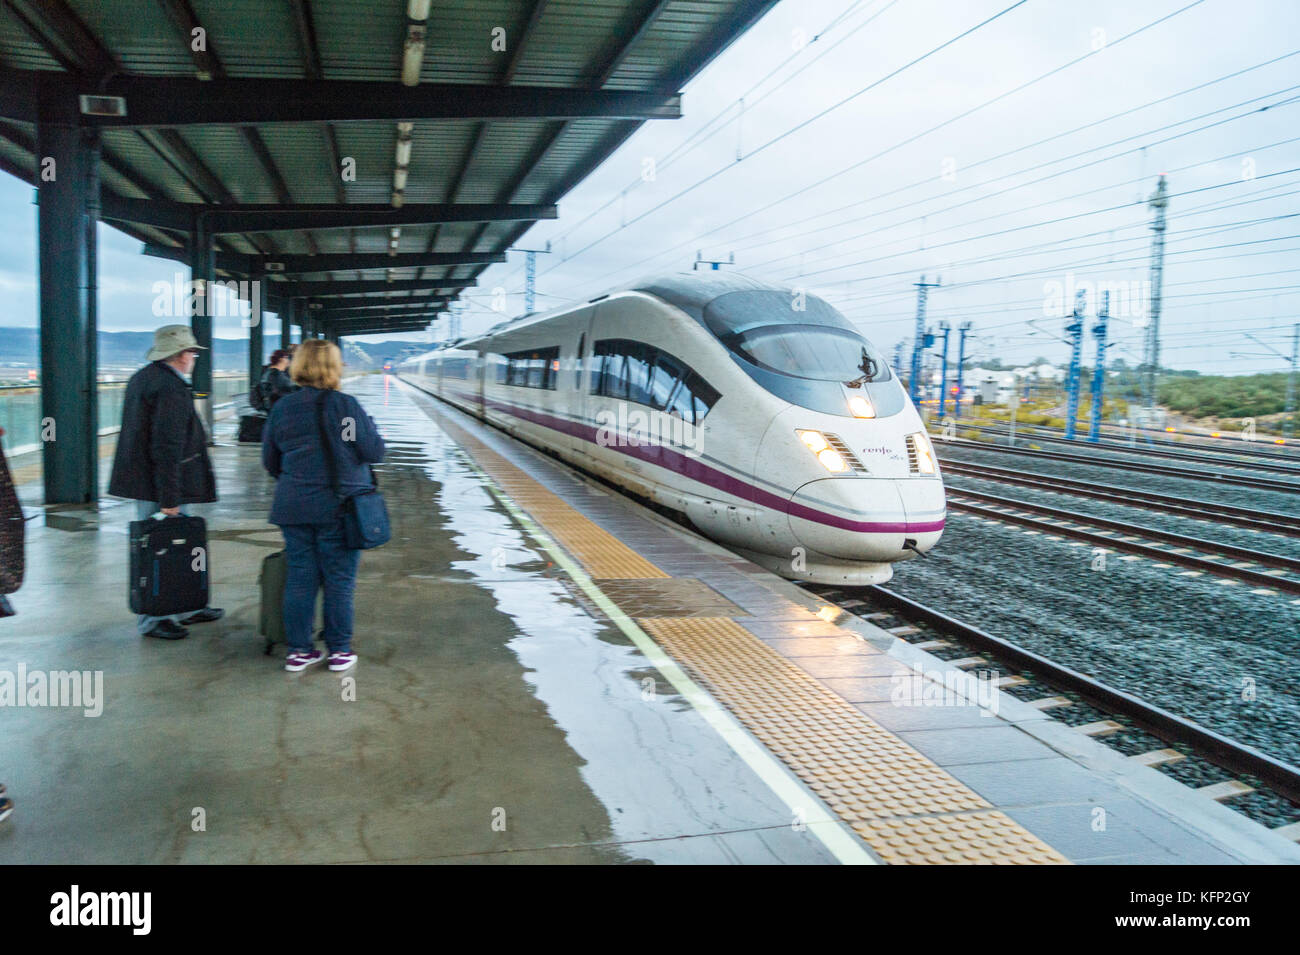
[[705, 474]]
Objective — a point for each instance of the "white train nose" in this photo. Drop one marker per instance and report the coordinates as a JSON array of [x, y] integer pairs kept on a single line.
[[869, 519]]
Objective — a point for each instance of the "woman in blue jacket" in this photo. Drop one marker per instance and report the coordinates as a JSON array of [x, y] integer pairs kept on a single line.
[[303, 427]]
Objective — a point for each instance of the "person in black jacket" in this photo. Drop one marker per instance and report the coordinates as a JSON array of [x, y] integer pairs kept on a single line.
[[276, 382], [162, 451]]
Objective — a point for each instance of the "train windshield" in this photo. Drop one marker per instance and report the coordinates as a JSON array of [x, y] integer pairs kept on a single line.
[[799, 338]]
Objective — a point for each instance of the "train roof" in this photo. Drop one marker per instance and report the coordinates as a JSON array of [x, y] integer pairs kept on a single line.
[[689, 291], [692, 291]]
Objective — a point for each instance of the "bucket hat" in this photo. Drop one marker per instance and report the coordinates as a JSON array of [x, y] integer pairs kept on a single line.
[[171, 340]]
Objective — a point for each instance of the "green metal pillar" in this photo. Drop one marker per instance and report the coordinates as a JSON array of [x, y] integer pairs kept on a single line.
[[286, 322], [256, 317], [202, 271], [67, 159]]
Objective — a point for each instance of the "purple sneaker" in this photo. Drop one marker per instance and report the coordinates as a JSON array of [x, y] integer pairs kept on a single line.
[[302, 659], [342, 661]]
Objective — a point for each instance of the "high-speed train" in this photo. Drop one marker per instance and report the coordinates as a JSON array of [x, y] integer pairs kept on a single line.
[[758, 412]]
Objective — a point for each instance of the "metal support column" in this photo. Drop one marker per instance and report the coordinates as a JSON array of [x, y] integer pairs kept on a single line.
[[1075, 331], [961, 363], [202, 270], [67, 175], [946, 329], [1099, 372], [1290, 382], [920, 342], [1151, 351], [256, 329], [286, 322]]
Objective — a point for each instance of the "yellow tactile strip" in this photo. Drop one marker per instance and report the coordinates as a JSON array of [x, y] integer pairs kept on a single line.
[[908, 809], [989, 838], [602, 554], [905, 806]]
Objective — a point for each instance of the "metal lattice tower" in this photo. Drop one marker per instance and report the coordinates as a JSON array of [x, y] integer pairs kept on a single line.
[[530, 281], [961, 361], [946, 329], [1075, 331], [530, 276], [1290, 382], [1099, 372], [1151, 350], [919, 342]]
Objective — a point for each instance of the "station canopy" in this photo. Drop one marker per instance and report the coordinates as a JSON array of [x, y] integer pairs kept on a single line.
[[356, 153]]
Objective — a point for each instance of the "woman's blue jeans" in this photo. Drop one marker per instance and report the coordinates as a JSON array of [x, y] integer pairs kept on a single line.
[[316, 558]]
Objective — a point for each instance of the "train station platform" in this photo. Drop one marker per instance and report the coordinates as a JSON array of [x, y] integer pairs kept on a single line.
[[549, 673]]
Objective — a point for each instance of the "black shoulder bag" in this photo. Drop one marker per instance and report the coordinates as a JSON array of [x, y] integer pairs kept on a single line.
[[365, 515]]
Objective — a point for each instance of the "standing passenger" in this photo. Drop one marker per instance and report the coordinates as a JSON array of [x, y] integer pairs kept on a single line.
[[305, 506], [276, 383], [162, 450]]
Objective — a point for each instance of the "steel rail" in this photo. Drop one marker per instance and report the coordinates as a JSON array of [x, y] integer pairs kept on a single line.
[[1218, 749]]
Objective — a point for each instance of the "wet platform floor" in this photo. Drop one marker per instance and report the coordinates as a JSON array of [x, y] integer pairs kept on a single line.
[[498, 712]]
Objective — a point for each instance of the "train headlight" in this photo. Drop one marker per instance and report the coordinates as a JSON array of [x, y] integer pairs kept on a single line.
[[924, 452], [861, 407], [832, 460], [815, 440]]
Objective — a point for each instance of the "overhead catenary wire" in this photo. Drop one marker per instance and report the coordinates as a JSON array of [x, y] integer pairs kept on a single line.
[[877, 155]]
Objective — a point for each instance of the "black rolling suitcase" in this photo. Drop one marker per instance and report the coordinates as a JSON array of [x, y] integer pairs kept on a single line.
[[169, 565], [250, 428], [271, 581]]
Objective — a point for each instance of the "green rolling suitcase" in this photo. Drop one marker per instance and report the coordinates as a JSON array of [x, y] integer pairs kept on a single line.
[[271, 579]]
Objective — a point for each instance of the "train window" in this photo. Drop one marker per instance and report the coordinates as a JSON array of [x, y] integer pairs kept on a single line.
[[642, 373], [534, 368], [637, 373], [582, 347], [681, 404], [607, 370], [663, 378], [703, 395], [454, 367]]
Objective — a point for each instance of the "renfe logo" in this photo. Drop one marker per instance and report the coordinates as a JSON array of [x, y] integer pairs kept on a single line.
[[102, 908]]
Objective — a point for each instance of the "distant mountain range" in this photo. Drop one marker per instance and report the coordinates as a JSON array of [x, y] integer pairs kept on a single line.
[[19, 348]]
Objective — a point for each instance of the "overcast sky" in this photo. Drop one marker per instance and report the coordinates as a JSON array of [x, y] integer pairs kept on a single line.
[[841, 179]]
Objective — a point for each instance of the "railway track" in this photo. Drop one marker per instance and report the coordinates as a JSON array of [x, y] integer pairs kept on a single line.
[[1165, 503], [1054, 521], [1091, 707], [1118, 440], [1253, 462], [1216, 477]]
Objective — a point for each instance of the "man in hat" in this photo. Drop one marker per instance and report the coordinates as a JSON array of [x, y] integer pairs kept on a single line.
[[162, 451]]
